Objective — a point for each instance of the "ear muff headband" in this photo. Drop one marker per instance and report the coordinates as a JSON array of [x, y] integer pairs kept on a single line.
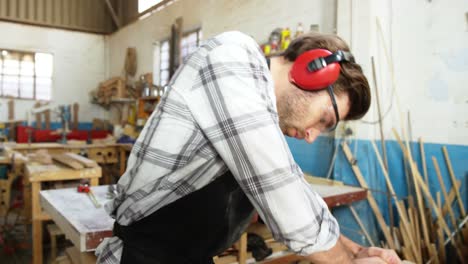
[[318, 68]]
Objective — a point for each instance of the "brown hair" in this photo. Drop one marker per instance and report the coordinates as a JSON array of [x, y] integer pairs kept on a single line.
[[351, 79]]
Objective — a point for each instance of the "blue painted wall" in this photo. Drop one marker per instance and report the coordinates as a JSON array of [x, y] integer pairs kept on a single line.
[[316, 159]]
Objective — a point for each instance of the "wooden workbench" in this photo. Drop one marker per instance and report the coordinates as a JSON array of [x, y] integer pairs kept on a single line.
[[101, 153], [81, 222], [35, 175], [86, 226]]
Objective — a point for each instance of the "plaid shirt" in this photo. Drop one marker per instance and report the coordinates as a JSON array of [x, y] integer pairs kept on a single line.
[[220, 114]]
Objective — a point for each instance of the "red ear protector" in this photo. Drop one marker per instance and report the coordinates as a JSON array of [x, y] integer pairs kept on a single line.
[[318, 69]]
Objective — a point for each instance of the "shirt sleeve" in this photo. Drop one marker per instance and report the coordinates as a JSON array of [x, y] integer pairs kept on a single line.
[[232, 100]]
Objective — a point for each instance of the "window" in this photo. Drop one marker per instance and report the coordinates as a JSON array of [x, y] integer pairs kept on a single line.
[[143, 5], [190, 42], [164, 64], [26, 75]]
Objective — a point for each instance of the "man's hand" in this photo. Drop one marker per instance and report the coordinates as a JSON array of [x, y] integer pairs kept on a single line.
[[387, 255], [370, 254], [372, 260]]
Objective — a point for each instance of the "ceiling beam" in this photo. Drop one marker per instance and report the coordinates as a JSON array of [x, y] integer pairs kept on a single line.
[[112, 12]]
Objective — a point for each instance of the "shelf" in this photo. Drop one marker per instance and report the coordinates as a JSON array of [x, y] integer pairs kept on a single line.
[[150, 98], [122, 100]]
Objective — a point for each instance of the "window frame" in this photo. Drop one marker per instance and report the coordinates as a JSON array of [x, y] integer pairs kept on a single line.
[[197, 30], [34, 75]]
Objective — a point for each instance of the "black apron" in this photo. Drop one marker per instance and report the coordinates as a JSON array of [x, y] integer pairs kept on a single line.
[[192, 229]]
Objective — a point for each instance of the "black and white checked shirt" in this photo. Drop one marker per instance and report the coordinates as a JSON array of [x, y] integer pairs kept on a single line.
[[220, 114]]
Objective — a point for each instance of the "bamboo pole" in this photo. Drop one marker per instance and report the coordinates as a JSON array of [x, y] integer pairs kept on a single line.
[[428, 195], [444, 191], [423, 160], [370, 197], [454, 180], [401, 211], [361, 225], [382, 139]]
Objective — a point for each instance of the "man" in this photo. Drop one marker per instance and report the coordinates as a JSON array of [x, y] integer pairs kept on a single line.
[[214, 152]]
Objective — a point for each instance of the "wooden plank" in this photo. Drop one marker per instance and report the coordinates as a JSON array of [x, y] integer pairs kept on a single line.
[[57, 173], [454, 180], [319, 180], [403, 219], [70, 162], [85, 161], [370, 198]]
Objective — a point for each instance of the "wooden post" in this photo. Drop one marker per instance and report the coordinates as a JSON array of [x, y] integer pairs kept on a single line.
[[370, 197]]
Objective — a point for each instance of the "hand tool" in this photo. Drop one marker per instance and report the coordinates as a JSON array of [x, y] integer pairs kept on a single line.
[[84, 188]]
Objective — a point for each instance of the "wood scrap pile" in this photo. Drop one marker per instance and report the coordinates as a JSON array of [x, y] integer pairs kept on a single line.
[[74, 161], [112, 89], [425, 233]]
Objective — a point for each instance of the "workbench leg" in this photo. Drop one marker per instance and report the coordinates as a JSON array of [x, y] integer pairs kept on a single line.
[[36, 223], [94, 182], [242, 256]]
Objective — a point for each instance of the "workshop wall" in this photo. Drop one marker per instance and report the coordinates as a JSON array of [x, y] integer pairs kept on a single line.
[[256, 18], [79, 65], [427, 41]]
